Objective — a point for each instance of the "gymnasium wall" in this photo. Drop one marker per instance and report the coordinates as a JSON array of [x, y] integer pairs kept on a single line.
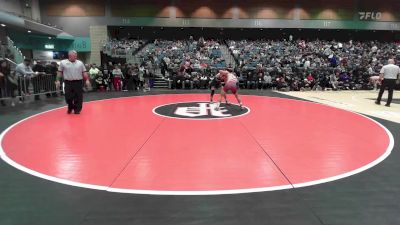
[[26, 8], [74, 8], [390, 9], [327, 10], [11, 6], [140, 8], [77, 16], [259, 9]]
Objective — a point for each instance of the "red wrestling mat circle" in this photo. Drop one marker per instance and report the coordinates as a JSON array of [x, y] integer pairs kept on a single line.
[[126, 145]]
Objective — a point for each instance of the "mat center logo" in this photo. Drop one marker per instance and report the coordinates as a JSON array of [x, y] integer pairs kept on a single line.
[[200, 110]]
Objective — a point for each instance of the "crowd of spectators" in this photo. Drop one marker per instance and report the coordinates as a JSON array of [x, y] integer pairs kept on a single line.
[[36, 78], [115, 47], [121, 77], [27, 79], [285, 65], [300, 64], [184, 61], [171, 54], [133, 77]]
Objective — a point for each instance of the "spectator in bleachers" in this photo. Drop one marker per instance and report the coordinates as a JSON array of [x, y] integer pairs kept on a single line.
[[125, 75], [116, 47], [281, 82], [117, 78], [100, 82], [292, 58], [141, 76], [267, 81], [333, 79], [204, 81], [309, 82], [93, 73], [135, 76], [163, 67], [251, 79]]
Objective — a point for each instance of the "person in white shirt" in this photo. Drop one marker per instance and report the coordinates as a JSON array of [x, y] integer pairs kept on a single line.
[[141, 76], [374, 48], [23, 71], [268, 80], [73, 71], [203, 81], [307, 64], [117, 80], [389, 74], [93, 73]]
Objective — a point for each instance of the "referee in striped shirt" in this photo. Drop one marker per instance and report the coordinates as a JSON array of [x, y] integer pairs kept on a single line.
[[73, 71]]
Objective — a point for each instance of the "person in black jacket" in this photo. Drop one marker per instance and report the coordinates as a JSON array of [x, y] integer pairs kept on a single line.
[[38, 79], [164, 67], [135, 76], [8, 83], [51, 71]]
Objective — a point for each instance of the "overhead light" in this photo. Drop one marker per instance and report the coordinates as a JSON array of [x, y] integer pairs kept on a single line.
[[3, 25], [29, 31], [50, 38]]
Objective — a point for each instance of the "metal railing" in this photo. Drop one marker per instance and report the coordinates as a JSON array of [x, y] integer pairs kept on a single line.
[[13, 86], [10, 61]]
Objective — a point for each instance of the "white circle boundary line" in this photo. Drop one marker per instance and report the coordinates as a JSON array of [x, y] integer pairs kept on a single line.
[[14, 164]]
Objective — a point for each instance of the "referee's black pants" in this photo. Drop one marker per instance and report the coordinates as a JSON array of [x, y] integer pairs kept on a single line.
[[390, 84], [74, 94]]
